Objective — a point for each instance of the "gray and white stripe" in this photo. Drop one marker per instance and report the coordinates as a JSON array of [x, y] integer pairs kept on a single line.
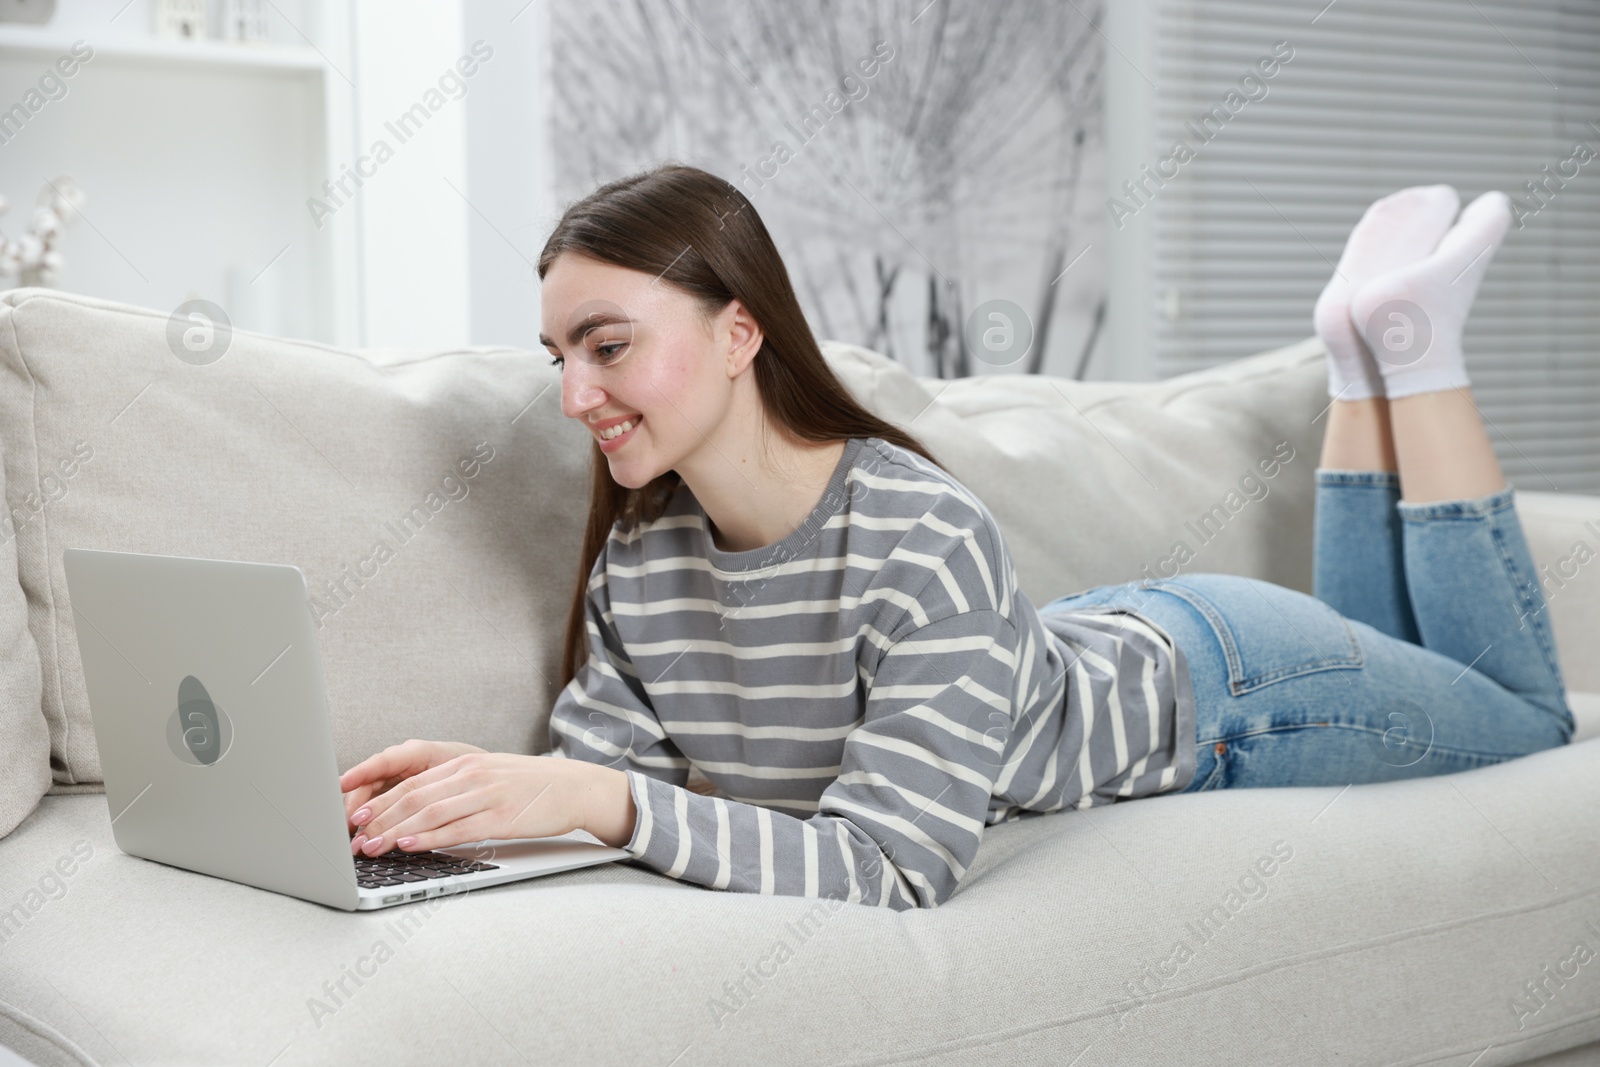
[[866, 694]]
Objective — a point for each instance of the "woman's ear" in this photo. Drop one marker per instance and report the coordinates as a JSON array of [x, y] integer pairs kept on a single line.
[[744, 336]]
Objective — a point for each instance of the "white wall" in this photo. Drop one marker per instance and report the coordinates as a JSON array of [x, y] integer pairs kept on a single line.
[[195, 173], [508, 163], [452, 225], [203, 179], [412, 210]]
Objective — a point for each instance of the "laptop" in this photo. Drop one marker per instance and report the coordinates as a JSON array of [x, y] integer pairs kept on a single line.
[[205, 687]]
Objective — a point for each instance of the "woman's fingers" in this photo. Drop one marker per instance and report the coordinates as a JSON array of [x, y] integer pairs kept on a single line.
[[354, 799], [358, 805], [472, 797], [376, 811], [396, 761], [375, 785], [402, 761], [427, 816], [379, 830], [358, 797]]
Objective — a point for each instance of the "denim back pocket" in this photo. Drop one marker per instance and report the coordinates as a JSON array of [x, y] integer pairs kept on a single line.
[[1267, 632]]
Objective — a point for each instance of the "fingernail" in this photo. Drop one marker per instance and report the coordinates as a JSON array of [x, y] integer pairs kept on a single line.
[[361, 816], [406, 842], [357, 841], [373, 847]]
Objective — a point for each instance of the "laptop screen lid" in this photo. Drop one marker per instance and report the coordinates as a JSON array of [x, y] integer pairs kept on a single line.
[[205, 688]]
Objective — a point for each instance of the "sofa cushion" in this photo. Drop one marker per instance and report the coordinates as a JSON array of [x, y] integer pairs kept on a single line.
[[24, 734], [1563, 533], [1099, 482], [432, 500], [1398, 923], [438, 590]]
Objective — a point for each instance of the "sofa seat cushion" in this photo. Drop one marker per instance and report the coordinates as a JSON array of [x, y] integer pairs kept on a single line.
[[1394, 923], [1585, 709]]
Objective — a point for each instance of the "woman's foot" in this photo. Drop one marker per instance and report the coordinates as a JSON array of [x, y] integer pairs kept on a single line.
[[1396, 230], [1412, 315]]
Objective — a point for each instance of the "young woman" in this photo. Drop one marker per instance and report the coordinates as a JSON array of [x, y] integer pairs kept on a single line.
[[791, 595]]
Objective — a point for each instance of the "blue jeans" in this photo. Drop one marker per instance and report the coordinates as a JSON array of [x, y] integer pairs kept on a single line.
[[1425, 650]]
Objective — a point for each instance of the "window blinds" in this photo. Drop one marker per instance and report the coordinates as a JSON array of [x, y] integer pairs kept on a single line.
[[1368, 97]]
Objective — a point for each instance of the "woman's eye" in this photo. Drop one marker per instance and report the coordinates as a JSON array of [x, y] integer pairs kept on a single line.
[[603, 354]]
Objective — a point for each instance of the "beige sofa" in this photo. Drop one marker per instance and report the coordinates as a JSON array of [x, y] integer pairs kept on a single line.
[[1406, 924]]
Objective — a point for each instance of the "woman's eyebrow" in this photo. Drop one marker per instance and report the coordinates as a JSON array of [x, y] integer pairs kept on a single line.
[[599, 318]]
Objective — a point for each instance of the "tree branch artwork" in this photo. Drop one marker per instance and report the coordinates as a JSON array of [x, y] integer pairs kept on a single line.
[[964, 168]]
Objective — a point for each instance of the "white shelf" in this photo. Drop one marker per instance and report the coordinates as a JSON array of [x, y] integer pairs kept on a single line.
[[208, 52], [276, 119]]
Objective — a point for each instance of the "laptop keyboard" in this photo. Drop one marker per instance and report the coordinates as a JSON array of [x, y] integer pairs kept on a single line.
[[398, 868]]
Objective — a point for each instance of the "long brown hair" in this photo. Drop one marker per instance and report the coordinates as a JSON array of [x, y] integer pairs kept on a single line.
[[696, 231]]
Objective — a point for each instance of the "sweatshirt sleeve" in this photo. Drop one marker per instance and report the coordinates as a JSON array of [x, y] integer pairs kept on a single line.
[[903, 820], [604, 715]]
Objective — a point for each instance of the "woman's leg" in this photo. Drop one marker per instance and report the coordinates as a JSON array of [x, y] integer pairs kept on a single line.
[[1357, 548], [1471, 581], [1287, 692], [1499, 629], [1406, 712], [1471, 591]]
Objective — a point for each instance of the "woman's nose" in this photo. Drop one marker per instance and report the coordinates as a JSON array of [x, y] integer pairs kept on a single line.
[[579, 395]]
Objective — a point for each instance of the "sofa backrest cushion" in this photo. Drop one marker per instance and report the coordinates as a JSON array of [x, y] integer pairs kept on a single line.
[[436, 499], [1099, 482]]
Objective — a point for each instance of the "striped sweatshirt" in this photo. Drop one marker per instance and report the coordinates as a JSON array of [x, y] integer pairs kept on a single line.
[[866, 695]]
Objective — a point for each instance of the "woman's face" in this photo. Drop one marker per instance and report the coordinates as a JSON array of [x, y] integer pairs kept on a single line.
[[631, 346]]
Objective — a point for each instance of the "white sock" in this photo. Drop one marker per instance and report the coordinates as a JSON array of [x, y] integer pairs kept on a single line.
[[1412, 316], [1398, 229]]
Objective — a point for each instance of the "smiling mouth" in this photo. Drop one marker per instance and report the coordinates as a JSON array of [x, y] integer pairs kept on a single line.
[[609, 434]]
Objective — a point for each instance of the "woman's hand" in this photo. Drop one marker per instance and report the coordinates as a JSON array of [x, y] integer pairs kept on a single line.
[[474, 796], [381, 773]]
